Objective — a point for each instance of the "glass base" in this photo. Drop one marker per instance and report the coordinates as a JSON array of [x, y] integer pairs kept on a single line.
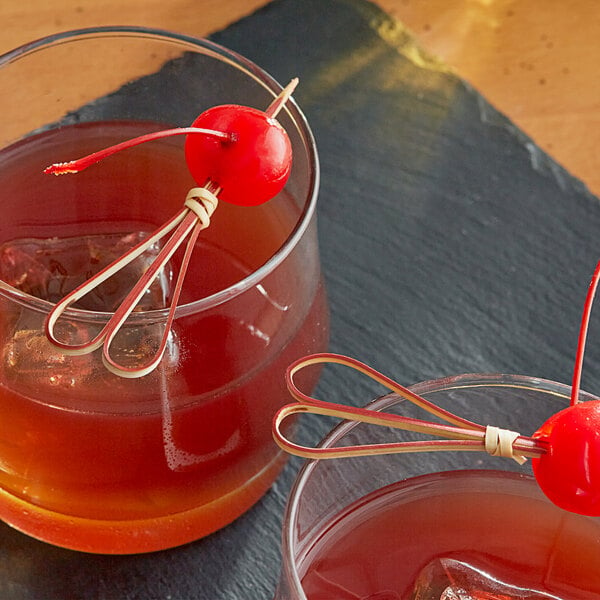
[[140, 535]]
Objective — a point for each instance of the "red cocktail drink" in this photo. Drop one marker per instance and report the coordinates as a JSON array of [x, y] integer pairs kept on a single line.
[[427, 526], [402, 541], [97, 462]]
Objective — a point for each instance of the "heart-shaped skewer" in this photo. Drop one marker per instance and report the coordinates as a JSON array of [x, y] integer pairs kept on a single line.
[[219, 160]]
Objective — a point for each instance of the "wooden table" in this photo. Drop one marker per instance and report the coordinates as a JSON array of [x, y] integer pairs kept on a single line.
[[535, 61]]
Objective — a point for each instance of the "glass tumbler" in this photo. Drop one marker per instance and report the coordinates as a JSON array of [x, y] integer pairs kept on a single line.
[[426, 526], [90, 460]]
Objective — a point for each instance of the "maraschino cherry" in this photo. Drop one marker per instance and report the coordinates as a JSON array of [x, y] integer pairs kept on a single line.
[[569, 471], [245, 153], [251, 166], [235, 153]]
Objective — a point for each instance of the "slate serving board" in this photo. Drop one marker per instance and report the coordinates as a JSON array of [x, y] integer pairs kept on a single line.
[[450, 243]]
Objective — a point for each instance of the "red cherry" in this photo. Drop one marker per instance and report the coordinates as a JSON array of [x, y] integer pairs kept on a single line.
[[242, 152], [252, 166], [569, 471]]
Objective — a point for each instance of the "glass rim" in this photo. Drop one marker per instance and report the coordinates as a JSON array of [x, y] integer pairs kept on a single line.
[[245, 65], [466, 380]]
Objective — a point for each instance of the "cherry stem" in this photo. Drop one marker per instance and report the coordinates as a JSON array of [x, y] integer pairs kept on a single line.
[[78, 165], [460, 434], [585, 321]]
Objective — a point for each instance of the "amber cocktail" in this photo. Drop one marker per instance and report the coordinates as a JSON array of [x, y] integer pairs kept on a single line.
[[90, 460]]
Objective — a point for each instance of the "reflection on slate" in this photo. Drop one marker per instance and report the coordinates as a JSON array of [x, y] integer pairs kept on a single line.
[[450, 244]]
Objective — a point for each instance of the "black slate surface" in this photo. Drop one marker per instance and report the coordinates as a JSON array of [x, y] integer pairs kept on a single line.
[[450, 244]]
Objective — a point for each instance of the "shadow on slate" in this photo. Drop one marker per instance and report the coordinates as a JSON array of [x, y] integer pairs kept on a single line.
[[450, 244]]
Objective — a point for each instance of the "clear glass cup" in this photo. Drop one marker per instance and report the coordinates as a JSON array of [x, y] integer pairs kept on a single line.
[[89, 460], [367, 527]]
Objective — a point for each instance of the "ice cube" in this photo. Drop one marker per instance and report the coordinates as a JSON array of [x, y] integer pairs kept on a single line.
[[29, 355], [450, 579], [33, 367], [50, 268]]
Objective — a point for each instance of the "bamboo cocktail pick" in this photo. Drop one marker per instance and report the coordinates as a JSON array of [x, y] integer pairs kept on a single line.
[[217, 146], [565, 450]]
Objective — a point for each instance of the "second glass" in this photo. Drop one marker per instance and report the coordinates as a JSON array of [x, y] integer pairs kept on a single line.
[[440, 525], [89, 460]]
